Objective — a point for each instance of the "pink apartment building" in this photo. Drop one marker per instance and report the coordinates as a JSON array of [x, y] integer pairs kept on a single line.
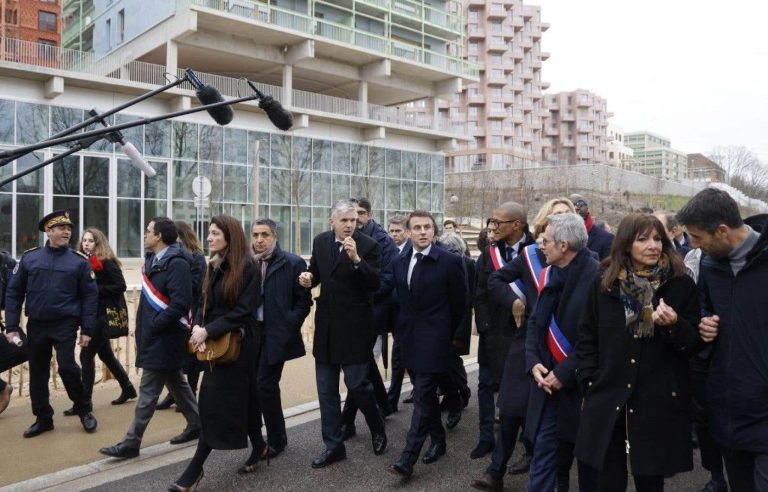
[[576, 130]]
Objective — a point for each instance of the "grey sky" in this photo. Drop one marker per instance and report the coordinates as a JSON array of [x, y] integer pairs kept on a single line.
[[693, 71]]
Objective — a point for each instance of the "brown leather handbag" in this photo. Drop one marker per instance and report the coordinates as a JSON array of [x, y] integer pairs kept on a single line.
[[223, 351]]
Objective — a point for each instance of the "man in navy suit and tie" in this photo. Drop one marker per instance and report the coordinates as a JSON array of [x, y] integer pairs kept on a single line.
[[432, 289]]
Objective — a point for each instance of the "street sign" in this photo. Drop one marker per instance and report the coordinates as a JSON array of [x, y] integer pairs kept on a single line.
[[201, 202], [201, 187]]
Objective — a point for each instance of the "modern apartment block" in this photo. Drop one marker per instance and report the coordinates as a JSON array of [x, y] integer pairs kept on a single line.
[[37, 21], [702, 168], [342, 69], [619, 155], [576, 128], [654, 155], [503, 110], [77, 17]]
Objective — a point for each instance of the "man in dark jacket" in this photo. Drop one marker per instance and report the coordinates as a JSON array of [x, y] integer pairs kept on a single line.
[[7, 264], [345, 263], [600, 240], [162, 327], [732, 280], [285, 305], [399, 233], [553, 405], [61, 294]]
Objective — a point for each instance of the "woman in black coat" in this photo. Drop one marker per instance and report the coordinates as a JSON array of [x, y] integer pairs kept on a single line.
[[230, 290], [111, 283], [636, 335]]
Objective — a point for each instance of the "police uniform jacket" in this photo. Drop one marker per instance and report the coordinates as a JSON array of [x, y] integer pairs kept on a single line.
[[161, 342], [58, 283]]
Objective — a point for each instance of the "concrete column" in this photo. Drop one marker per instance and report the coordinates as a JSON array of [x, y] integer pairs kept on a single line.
[[362, 97], [171, 57], [435, 112], [287, 85]]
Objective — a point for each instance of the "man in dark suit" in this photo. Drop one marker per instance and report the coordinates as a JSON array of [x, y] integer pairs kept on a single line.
[[346, 264], [399, 233], [432, 289], [600, 240]]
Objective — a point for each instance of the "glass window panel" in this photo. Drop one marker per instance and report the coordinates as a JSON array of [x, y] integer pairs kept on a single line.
[[393, 163], [423, 196], [215, 173], [302, 153], [235, 145], [341, 189], [64, 118], [393, 194], [360, 187], [29, 211], [32, 122], [33, 182], [320, 220], [302, 187], [6, 172], [321, 155], [96, 176], [157, 139], [184, 173], [437, 198], [184, 140], [6, 218], [280, 189], [129, 182], [302, 241], [263, 185], [133, 135], [235, 183], [376, 190], [408, 198], [71, 205], [258, 146], [211, 143], [130, 230], [66, 176], [409, 165], [377, 158], [157, 186], [438, 168], [282, 216], [359, 159], [96, 213], [341, 157], [155, 208], [280, 151], [321, 190], [187, 212], [101, 145], [7, 118], [423, 167]]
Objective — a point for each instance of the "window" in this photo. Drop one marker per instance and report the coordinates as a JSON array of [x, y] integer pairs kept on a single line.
[[121, 26], [46, 21], [109, 33]]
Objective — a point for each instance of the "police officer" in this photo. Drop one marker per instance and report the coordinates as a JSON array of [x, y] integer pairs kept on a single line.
[[61, 293]]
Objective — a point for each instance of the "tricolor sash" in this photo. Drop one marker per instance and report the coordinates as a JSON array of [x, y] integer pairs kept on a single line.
[[557, 343], [159, 302], [497, 259]]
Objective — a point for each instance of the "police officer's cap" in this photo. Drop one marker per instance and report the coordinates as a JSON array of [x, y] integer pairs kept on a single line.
[[53, 219]]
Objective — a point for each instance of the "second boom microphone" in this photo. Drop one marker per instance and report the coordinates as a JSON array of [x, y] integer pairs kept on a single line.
[[207, 94]]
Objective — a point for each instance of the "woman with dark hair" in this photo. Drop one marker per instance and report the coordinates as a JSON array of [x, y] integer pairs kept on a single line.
[[192, 367], [230, 290], [111, 283], [636, 336]]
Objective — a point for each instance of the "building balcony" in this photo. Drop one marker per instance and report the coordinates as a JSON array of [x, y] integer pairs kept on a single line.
[[544, 26], [584, 101], [527, 42], [475, 99], [517, 116], [552, 131], [568, 116], [496, 46], [527, 74], [492, 79], [478, 131], [476, 33], [517, 22], [544, 85], [527, 105], [517, 86], [584, 128], [517, 53], [536, 63], [496, 114], [495, 12], [567, 143], [544, 55], [529, 11]]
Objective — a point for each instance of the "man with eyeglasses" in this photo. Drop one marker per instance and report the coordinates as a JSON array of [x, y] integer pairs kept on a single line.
[[600, 240], [508, 228]]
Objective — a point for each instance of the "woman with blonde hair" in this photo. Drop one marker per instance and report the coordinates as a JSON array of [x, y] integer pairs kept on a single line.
[[111, 284], [554, 206]]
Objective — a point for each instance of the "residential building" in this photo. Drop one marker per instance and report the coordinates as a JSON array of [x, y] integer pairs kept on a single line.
[[654, 155], [36, 21], [503, 110], [576, 128], [619, 155], [341, 82], [77, 24], [702, 168]]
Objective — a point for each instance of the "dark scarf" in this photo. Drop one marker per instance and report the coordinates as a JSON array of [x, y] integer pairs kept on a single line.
[[263, 259], [637, 289]]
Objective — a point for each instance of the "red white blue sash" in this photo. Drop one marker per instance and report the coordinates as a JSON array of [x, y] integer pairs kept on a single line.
[[159, 302], [497, 259], [557, 343]]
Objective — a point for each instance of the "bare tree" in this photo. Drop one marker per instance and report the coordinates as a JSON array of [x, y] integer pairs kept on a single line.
[[735, 160]]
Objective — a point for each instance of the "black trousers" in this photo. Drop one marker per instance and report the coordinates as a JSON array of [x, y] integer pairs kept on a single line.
[[100, 345], [613, 477], [425, 420], [506, 438], [42, 338], [747, 471], [398, 373], [711, 457], [270, 402], [349, 413]]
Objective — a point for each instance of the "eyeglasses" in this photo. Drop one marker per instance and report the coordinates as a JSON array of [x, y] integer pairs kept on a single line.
[[496, 223], [544, 241], [580, 203]]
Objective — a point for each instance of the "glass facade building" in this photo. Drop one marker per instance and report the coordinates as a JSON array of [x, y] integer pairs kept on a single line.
[[295, 179]]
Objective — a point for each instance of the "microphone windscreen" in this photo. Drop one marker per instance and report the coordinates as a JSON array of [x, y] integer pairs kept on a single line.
[[276, 113], [137, 160], [222, 115]]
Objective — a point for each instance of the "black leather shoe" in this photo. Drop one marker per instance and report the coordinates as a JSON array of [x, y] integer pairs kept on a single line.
[[347, 431], [120, 451], [188, 434], [453, 419], [521, 465], [329, 457], [466, 394], [715, 486], [434, 453], [38, 428], [482, 449], [409, 398], [390, 410], [401, 468], [128, 393], [89, 422], [487, 482], [69, 412], [379, 443], [166, 403]]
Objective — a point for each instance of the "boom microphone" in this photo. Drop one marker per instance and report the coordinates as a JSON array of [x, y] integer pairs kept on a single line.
[[128, 148], [208, 94], [276, 113]]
